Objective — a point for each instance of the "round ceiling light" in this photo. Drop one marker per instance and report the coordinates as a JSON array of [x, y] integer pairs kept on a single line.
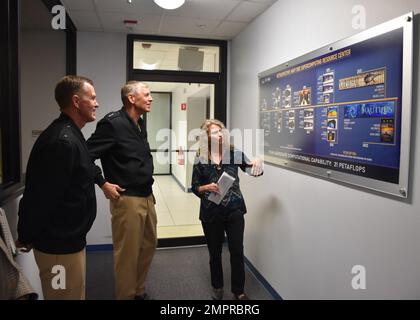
[[169, 4]]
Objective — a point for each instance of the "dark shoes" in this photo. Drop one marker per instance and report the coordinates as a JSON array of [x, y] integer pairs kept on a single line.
[[143, 296], [241, 296], [217, 294]]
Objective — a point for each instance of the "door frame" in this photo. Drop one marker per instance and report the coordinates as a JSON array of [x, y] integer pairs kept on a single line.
[[170, 138], [218, 79]]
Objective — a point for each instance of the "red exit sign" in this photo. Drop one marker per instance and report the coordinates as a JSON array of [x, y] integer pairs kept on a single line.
[[183, 106]]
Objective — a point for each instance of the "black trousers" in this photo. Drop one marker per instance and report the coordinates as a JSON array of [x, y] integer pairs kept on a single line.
[[233, 224]]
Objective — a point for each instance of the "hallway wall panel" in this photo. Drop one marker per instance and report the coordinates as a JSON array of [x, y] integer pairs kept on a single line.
[[304, 234]]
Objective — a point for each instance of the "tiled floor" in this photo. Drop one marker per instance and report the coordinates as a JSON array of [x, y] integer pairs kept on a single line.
[[177, 210]]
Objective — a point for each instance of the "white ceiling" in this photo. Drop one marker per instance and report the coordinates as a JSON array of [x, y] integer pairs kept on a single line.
[[211, 19]]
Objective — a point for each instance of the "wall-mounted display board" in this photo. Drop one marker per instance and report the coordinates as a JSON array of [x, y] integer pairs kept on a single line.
[[344, 111]]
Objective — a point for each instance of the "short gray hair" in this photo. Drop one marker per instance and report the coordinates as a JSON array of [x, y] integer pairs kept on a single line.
[[131, 87]]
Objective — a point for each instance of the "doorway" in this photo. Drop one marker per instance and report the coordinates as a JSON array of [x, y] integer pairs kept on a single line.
[[187, 79], [158, 119], [173, 125]]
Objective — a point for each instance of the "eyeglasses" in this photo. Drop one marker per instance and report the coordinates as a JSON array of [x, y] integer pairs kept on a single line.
[[216, 132]]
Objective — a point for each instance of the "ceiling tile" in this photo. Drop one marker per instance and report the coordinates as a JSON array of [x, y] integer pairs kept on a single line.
[[137, 6], [188, 25], [196, 18], [70, 5], [246, 11], [115, 22], [266, 2], [229, 29], [213, 9], [85, 20]]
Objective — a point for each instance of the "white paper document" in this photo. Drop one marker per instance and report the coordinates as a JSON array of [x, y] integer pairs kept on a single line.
[[225, 182]]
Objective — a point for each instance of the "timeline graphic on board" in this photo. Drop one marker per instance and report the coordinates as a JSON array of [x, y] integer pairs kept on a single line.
[[341, 110]]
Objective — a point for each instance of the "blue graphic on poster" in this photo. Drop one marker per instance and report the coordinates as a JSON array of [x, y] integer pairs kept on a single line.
[[340, 111]]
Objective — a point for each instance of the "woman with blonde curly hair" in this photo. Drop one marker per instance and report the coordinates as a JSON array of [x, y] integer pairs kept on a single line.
[[215, 157]]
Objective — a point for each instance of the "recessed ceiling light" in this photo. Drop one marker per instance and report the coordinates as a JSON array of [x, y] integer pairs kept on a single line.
[[169, 4]]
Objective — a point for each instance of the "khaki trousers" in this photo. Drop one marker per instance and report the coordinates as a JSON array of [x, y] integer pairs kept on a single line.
[[135, 238], [63, 276]]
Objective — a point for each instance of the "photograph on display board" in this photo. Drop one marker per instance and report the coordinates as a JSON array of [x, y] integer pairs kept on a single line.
[[355, 88]]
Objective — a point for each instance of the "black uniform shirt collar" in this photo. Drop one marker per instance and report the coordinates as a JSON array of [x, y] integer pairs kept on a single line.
[[65, 118], [139, 123]]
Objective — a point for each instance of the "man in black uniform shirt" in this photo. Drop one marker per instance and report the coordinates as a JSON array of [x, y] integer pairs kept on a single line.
[[120, 141], [59, 204]]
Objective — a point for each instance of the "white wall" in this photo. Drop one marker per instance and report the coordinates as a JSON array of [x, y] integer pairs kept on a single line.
[[305, 234], [179, 120], [197, 112], [102, 58], [43, 63]]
